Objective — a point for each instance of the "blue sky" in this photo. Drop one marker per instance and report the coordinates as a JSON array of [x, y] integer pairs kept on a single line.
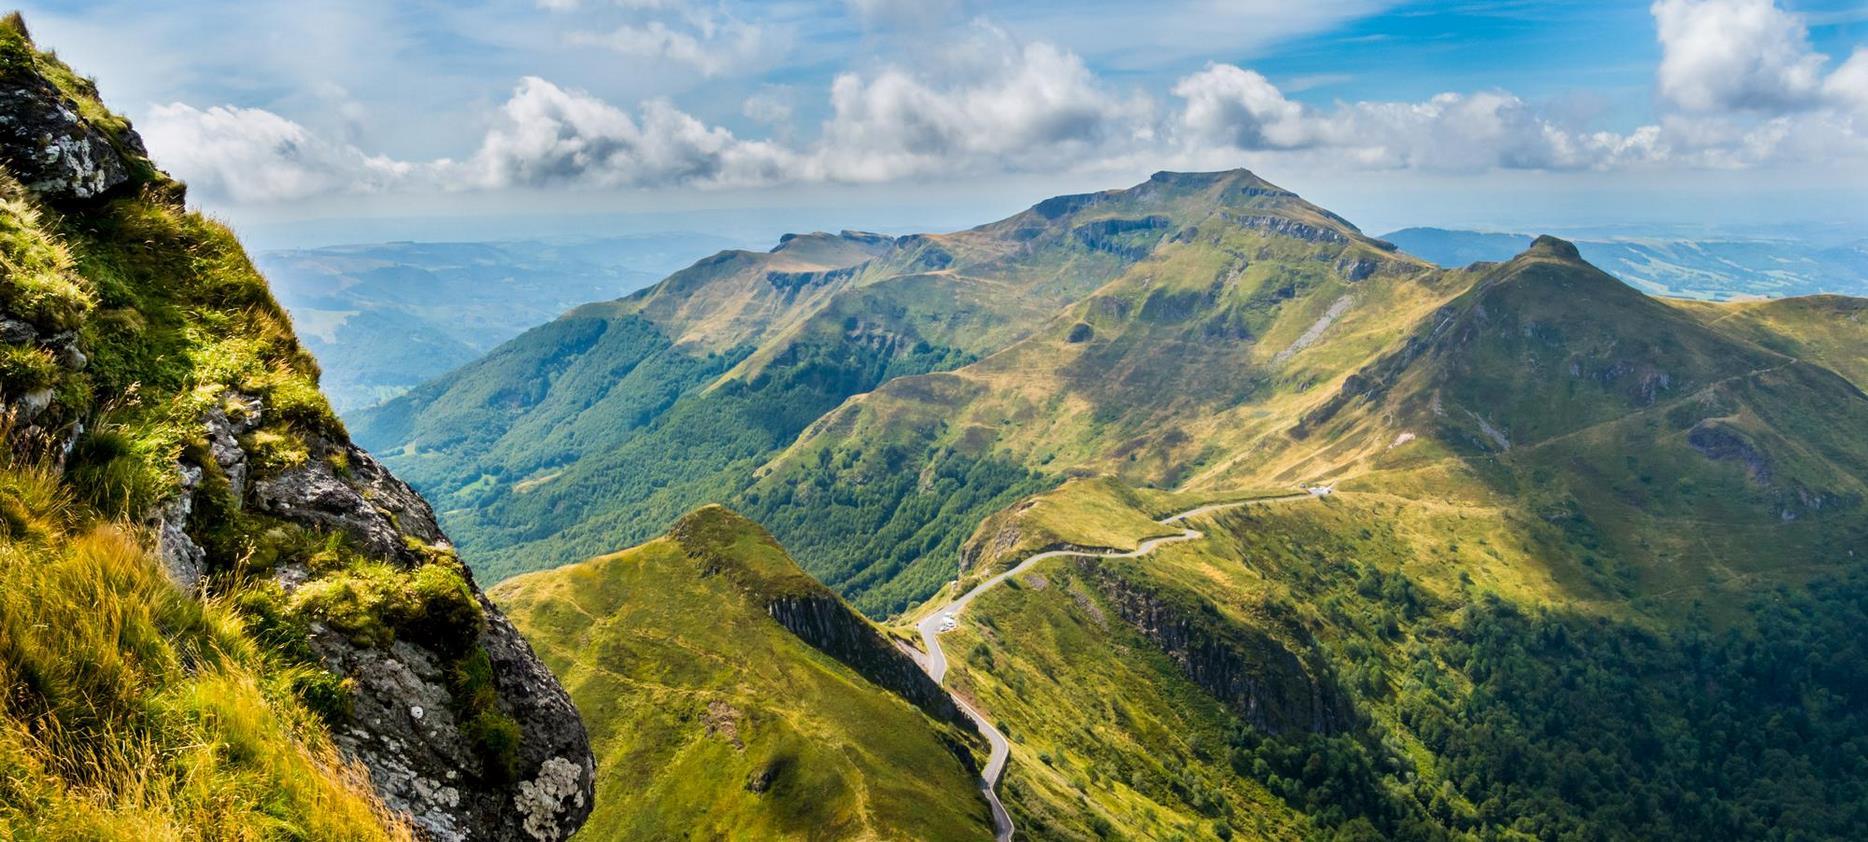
[[530, 113]]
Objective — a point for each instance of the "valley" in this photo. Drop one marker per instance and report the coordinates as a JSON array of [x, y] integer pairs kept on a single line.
[[1251, 532], [1179, 511]]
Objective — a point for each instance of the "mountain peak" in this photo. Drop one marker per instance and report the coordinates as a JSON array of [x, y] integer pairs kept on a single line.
[[1205, 179], [1553, 247]]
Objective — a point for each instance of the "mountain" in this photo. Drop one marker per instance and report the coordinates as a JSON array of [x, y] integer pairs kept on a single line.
[[219, 618], [731, 696], [384, 317], [607, 424], [1236, 522], [1713, 269]]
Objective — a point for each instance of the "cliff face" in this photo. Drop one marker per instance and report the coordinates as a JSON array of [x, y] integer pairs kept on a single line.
[[831, 627], [1258, 676], [142, 353], [717, 540]]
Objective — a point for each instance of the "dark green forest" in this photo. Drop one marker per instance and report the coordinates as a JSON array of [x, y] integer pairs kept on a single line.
[[1580, 728]]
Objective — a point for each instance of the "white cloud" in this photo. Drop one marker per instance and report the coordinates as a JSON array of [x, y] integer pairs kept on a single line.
[[773, 107], [1747, 92], [1231, 107], [1004, 105], [1237, 107], [1735, 55], [252, 155], [550, 136], [1847, 88]]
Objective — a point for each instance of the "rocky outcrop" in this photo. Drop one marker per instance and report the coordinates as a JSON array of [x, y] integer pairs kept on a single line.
[[422, 760], [1129, 239], [49, 146], [1285, 226], [427, 764], [792, 282], [829, 626], [1253, 673]]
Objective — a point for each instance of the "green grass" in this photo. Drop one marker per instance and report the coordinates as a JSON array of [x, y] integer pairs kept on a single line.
[[139, 712], [1503, 684], [710, 719], [1109, 739]]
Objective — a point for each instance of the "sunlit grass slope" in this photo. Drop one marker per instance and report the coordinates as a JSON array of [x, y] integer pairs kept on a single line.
[[1371, 666], [136, 711], [711, 720]]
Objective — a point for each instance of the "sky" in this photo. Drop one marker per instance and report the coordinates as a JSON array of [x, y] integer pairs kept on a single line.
[[344, 120]]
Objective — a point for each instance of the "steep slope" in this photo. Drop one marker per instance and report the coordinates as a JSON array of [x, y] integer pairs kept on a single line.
[[731, 696], [615, 419], [221, 618]]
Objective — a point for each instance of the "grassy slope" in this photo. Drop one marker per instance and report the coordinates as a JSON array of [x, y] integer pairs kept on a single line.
[[1160, 377], [691, 692], [1830, 330], [1664, 446], [140, 712], [1449, 552], [1424, 611]]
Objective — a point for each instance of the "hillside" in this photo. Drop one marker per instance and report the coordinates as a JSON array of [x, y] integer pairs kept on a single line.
[[1608, 536], [730, 696], [219, 618], [1580, 561], [1372, 665]]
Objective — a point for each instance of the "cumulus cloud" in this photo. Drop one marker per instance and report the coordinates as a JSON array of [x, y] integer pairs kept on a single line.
[[551, 136], [1738, 86], [1010, 106], [1735, 55], [252, 155], [1231, 107], [1237, 107]]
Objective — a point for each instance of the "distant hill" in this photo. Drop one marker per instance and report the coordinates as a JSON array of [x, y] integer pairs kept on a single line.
[[1712, 269], [384, 317]]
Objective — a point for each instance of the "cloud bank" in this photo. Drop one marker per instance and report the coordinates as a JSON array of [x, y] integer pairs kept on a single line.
[[1738, 86]]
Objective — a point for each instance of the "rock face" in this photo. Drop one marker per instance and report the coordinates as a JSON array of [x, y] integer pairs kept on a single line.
[[824, 622], [1253, 673], [51, 148], [422, 761]]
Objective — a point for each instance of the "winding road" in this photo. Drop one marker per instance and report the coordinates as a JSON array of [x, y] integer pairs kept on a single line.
[[944, 619]]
